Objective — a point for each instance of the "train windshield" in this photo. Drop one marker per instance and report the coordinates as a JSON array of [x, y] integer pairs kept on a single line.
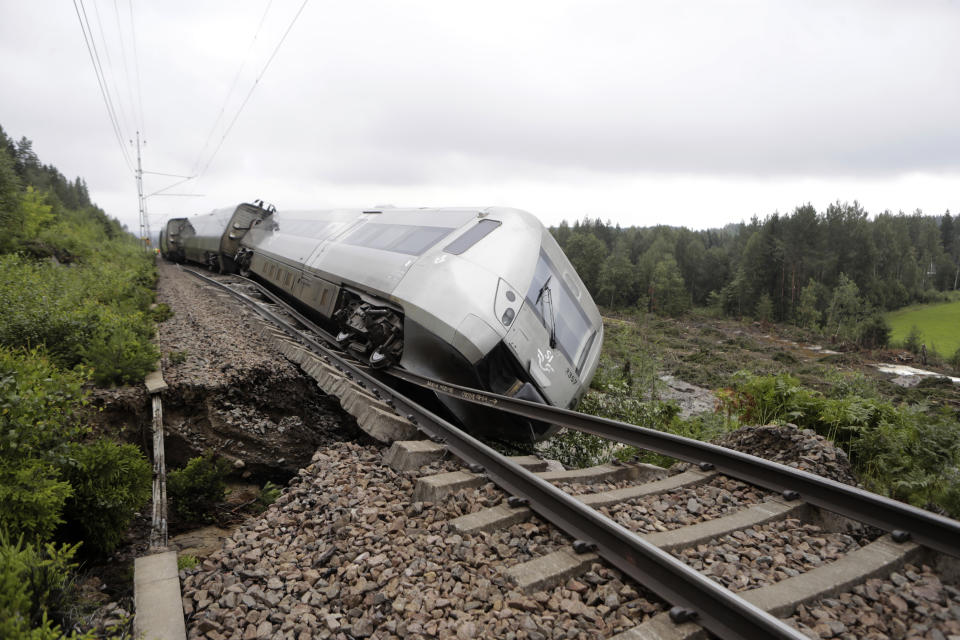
[[558, 310]]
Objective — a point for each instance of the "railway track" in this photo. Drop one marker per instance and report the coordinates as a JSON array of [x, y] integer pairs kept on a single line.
[[674, 562]]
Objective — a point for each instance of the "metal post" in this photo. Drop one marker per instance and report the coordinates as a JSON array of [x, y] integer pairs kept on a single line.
[[144, 224]]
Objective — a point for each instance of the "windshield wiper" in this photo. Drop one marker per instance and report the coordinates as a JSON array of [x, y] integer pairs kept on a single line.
[[547, 296]]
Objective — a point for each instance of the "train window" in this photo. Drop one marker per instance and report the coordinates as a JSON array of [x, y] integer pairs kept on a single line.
[[307, 228], [421, 239], [567, 319], [400, 238], [477, 233]]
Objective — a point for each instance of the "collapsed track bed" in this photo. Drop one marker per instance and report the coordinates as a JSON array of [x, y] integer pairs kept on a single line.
[[230, 392]]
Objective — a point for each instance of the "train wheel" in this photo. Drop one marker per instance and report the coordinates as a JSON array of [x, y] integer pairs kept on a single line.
[[378, 360]]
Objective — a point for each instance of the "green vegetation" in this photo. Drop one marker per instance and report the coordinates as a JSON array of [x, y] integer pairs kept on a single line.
[[627, 387], [827, 277], [48, 474], [34, 584], [903, 451], [267, 496], [75, 290], [196, 489], [161, 312], [186, 561], [110, 480], [71, 281], [936, 325]]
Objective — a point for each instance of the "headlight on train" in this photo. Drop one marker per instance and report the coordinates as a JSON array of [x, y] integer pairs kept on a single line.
[[507, 303]]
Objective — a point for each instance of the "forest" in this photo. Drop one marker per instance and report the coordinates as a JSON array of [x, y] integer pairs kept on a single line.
[[835, 270]]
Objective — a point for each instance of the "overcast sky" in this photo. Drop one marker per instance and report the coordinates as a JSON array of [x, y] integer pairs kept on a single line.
[[682, 113]]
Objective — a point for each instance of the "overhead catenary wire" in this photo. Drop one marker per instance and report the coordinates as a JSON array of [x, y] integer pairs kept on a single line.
[[88, 37], [136, 66], [124, 120], [98, 71], [233, 86], [253, 88], [126, 68]]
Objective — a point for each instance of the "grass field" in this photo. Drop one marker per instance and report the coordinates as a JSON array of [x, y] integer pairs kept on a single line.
[[939, 324]]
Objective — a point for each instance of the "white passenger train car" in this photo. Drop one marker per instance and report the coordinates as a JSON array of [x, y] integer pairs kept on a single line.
[[479, 297]]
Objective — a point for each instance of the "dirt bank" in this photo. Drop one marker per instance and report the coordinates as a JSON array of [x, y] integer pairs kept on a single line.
[[230, 391]]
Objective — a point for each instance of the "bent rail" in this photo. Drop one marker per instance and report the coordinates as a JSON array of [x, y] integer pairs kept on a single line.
[[902, 520]]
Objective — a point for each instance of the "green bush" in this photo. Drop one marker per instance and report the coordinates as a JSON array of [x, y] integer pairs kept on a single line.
[[32, 498], [93, 314], [196, 489], [906, 452], [38, 406], [110, 482], [117, 353], [268, 495], [45, 474], [34, 580], [914, 340], [38, 422], [874, 332], [955, 360], [161, 312]]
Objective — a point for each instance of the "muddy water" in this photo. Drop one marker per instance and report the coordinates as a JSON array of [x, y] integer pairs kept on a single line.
[[906, 376]]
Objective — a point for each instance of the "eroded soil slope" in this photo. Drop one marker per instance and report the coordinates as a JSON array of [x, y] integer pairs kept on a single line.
[[230, 391]]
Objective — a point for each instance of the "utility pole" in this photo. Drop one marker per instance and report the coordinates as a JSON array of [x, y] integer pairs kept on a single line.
[[144, 221]]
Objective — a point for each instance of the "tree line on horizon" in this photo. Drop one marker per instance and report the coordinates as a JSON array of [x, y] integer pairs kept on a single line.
[[836, 270]]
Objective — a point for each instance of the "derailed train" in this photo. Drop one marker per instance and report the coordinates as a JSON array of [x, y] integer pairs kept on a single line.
[[479, 297]]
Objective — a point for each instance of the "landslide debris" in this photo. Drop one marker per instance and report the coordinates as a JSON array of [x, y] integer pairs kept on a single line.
[[799, 448]]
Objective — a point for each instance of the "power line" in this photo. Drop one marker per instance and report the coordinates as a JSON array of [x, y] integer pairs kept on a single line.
[[233, 86], [102, 78], [123, 57], [253, 88], [136, 66], [113, 76], [98, 70]]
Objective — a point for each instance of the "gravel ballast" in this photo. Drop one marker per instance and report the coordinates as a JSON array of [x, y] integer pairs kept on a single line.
[[344, 553], [681, 507], [913, 604], [760, 556]]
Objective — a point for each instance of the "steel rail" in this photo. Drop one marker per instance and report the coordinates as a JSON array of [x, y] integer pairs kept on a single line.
[[694, 596], [903, 520]]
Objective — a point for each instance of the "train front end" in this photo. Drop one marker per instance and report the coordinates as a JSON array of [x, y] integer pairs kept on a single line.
[[519, 320]]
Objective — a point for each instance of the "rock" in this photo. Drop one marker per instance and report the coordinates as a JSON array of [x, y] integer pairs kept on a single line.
[[362, 628], [787, 444], [264, 630], [467, 631]]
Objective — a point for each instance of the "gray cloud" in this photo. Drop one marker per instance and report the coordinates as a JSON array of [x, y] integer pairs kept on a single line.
[[390, 96]]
